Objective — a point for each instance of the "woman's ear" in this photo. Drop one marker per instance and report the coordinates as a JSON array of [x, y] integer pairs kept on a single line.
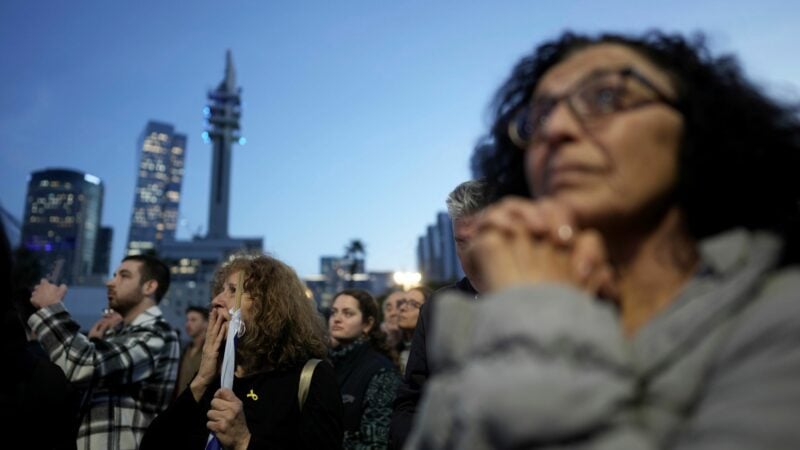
[[368, 325]]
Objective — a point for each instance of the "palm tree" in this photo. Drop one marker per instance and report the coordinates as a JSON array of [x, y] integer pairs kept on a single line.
[[354, 252]]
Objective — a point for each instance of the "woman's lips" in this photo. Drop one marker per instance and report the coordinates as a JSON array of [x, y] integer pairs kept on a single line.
[[565, 174]]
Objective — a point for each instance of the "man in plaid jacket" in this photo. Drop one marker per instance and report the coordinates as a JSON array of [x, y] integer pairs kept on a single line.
[[130, 372]]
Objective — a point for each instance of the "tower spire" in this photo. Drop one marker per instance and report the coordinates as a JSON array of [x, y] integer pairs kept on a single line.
[[230, 72], [222, 128]]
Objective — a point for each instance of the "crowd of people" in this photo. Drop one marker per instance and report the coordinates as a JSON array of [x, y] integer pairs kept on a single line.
[[631, 282]]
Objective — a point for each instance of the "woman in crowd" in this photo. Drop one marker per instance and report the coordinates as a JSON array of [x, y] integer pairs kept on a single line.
[[282, 331], [390, 312], [364, 369], [407, 318], [645, 291]]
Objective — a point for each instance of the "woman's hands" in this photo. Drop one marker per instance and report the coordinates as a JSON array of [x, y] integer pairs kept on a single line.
[[218, 320], [524, 241], [226, 415], [226, 419]]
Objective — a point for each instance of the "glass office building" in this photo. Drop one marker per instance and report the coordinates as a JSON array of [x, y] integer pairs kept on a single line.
[[154, 218], [62, 221]]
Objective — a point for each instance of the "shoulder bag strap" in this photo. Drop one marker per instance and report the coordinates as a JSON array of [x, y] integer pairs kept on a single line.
[[305, 381]]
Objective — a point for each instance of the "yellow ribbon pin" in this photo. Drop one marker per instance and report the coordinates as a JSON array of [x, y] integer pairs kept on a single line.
[[252, 395]]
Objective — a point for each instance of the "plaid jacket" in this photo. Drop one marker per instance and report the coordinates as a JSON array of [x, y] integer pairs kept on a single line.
[[130, 373]]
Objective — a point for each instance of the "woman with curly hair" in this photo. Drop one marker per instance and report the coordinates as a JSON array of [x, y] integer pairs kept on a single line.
[[282, 331], [643, 282], [365, 369]]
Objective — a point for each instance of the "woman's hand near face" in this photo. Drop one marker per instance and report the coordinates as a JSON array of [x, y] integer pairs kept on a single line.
[[522, 241], [515, 244], [209, 363]]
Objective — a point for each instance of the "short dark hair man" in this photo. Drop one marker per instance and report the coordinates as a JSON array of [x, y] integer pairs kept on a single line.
[[464, 204], [130, 372], [196, 327]]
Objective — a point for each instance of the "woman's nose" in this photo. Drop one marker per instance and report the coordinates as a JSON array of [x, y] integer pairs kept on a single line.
[[560, 125], [219, 301]]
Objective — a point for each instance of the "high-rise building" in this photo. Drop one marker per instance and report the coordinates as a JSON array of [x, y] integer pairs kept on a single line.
[[451, 267], [62, 220], [424, 257], [436, 252], [158, 188], [192, 263]]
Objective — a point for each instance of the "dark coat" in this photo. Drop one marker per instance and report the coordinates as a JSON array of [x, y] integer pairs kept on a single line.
[[356, 366], [273, 414], [417, 372], [37, 403]]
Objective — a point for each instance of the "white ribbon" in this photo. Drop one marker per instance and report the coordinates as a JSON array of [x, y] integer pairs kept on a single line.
[[229, 360]]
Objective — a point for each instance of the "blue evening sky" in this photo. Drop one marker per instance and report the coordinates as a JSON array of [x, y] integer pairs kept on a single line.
[[360, 115]]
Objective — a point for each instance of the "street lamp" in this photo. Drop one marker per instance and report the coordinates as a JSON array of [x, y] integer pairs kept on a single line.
[[407, 279]]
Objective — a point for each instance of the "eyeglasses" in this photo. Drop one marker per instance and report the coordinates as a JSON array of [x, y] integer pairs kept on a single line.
[[410, 302], [598, 95]]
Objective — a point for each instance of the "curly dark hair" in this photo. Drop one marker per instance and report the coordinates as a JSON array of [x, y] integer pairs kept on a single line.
[[369, 310], [286, 330], [739, 152]]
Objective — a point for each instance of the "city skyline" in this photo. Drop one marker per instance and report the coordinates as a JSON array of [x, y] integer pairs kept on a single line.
[[359, 118]]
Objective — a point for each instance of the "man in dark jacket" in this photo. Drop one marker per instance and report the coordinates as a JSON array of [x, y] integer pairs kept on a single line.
[[464, 205]]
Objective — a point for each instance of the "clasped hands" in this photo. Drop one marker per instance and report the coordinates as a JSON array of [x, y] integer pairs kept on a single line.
[[523, 241]]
